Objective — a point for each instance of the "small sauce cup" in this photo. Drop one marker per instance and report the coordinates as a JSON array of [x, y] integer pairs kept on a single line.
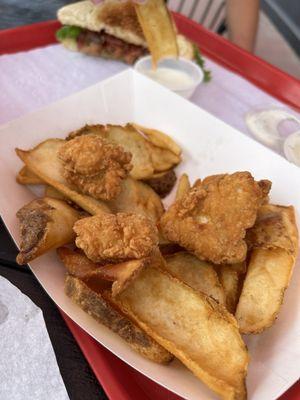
[[180, 75]]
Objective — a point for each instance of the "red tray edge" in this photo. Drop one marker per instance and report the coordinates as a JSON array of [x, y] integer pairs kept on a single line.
[[262, 74]]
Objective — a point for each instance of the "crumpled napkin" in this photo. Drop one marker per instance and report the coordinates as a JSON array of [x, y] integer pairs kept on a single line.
[[28, 367]]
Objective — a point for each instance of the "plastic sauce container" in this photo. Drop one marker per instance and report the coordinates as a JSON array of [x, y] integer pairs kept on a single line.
[[180, 75]]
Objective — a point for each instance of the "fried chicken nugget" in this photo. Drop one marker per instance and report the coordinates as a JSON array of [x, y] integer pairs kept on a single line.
[[95, 166], [211, 219], [116, 237]]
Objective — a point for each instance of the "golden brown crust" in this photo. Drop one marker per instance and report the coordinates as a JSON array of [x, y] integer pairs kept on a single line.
[[212, 218], [203, 345], [95, 166], [117, 237], [159, 29], [105, 310]]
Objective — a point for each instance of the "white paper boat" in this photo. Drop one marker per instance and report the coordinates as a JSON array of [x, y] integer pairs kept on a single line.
[[209, 147]]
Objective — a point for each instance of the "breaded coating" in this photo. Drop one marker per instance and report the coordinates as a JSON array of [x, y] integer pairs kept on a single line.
[[116, 237], [95, 166], [212, 218], [275, 227]]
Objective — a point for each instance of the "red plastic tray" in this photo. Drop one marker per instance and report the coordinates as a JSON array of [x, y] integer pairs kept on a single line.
[[120, 381]]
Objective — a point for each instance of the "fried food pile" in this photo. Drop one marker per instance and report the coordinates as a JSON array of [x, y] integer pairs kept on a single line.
[[185, 282]]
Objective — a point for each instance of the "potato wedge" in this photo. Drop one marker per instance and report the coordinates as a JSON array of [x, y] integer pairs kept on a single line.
[[274, 239], [45, 224], [183, 187], [198, 274], [230, 280], [162, 182], [268, 276], [50, 191], [26, 177], [147, 159], [159, 139], [76, 263], [139, 198], [92, 294], [158, 28], [43, 161], [192, 326], [101, 306]]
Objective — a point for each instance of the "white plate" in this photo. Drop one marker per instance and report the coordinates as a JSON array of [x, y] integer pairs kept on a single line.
[[209, 146]]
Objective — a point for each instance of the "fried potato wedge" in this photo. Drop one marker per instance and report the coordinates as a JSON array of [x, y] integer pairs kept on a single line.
[[43, 161], [268, 276], [102, 307], [159, 139], [158, 29], [183, 187], [275, 227], [138, 198], [162, 159], [127, 137], [192, 326], [231, 281], [198, 274], [45, 224], [26, 177], [133, 142], [274, 239], [162, 182], [77, 264]]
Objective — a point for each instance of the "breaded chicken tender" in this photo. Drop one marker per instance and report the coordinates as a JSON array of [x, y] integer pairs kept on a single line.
[[116, 237], [95, 166], [211, 219]]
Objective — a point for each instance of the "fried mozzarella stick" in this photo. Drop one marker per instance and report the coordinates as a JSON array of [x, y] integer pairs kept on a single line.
[[274, 240], [45, 224]]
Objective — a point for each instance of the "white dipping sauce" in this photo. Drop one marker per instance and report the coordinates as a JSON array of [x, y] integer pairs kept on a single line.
[[173, 79]]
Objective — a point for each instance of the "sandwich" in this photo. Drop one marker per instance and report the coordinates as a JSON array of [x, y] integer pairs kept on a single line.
[[110, 29]]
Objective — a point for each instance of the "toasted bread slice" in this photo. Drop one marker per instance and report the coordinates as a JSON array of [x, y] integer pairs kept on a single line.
[[100, 305]]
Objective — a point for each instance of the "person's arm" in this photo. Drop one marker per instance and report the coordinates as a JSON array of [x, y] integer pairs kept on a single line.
[[242, 20]]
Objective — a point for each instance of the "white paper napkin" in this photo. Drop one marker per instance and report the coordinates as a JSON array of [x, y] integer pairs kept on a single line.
[[28, 367]]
